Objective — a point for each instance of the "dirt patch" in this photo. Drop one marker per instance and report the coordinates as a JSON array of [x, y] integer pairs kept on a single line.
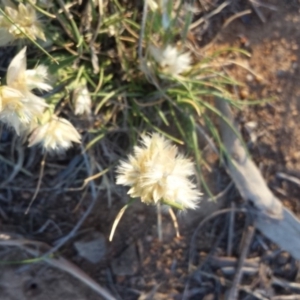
[[38, 281], [274, 48]]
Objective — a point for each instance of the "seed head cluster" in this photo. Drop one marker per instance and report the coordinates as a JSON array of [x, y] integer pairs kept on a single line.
[[157, 172], [26, 113], [55, 135], [170, 59], [19, 105], [82, 100], [19, 22]]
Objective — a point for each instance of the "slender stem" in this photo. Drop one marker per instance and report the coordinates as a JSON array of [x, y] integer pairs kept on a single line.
[[76, 33], [173, 204], [42, 11]]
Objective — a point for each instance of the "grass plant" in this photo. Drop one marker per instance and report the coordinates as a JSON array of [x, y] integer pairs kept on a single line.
[[139, 65]]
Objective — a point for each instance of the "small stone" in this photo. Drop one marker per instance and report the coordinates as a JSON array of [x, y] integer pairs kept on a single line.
[[244, 94], [92, 248], [249, 77], [250, 126]]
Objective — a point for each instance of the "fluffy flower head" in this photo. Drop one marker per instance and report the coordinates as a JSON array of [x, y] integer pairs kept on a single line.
[[170, 60], [20, 78], [82, 100], [23, 19], [152, 4], [56, 135], [36, 78], [157, 172], [18, 109]]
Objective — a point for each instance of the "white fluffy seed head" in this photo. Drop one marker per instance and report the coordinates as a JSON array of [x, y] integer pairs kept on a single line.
[[19, 108], [20, 78], [37, 78], [82, 100], [24, 20], [157, 172], [55, 135], [170, 60], [152, 4]]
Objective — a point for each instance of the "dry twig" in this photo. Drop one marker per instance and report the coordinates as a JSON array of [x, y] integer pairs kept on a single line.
[[233, 294], [273, 220], [289, 178], [230, 229], [71, 234], [209, 15], [201, 224]]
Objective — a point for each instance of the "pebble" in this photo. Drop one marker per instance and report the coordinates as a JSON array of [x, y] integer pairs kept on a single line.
[[92, 248], [250, 126], [249, 77]]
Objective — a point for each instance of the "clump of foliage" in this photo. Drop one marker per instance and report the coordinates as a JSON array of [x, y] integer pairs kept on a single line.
[[120, 67]]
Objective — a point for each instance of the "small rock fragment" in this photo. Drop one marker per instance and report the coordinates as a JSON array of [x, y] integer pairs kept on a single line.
[[92, 248]]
